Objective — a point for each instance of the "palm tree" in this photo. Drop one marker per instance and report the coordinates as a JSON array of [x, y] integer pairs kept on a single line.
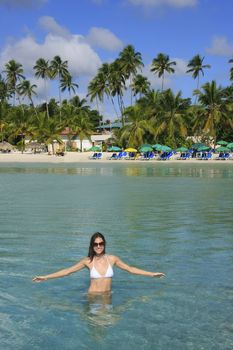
[[161, 64], [96, 88], [196, 67], [231, 71], [117, 85], [59, 68], [83, 127], [27, 90], [14, 73], [4, 91], [43, 70], [170, 123], [47, 131], [140, 85], [20, 125], [214, 110], [66, 83], [138, 128], [130, 61]]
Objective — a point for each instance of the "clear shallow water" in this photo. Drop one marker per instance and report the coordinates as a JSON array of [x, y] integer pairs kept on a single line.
[[163, 217]]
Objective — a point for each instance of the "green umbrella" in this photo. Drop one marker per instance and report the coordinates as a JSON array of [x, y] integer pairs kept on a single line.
[[157, 147], [203, 148], [222, 143], [145, 149], [95, 149], [165, 148], [182, 149], [222, 149], [145, 145], [230, 145], [197, 145], [114, 149]]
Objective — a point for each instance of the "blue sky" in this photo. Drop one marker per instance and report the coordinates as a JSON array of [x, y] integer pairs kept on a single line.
[[90, 32]]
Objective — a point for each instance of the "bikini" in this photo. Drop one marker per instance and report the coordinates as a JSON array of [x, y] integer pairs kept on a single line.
[[95, 274]]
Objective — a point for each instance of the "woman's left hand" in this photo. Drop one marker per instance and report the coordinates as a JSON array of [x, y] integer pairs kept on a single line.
[[158, 274]]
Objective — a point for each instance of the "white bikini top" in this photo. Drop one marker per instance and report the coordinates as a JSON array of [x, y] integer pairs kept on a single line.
[[95, 274]]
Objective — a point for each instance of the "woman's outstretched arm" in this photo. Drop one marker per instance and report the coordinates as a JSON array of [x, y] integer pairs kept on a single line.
[[62, 273], [131, 269]]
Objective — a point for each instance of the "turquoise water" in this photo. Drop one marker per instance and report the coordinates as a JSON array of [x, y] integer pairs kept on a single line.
[[173, 218]]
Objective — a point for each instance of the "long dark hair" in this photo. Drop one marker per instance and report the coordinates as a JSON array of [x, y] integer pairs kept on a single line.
[[91, 252]]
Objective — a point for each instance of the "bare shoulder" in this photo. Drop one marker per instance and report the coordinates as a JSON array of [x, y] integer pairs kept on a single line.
[[112, 259], [85, 261]]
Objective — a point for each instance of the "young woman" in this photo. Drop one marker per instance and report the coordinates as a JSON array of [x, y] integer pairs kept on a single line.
[[100, 267]]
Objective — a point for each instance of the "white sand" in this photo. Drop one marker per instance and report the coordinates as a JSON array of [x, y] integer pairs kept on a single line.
[[74, 157]]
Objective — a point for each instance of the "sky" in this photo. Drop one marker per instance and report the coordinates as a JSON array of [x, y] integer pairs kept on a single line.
[[88, 33]]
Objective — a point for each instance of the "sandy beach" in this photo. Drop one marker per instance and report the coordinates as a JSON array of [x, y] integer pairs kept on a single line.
[[73, 157]]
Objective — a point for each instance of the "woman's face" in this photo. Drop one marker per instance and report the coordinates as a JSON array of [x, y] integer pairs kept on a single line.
[[98, 246]]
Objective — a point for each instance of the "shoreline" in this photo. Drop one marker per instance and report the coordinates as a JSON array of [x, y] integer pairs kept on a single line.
[[74, 157]]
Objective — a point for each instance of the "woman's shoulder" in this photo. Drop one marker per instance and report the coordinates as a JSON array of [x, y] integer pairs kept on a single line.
[[112, 258], [86, 260]]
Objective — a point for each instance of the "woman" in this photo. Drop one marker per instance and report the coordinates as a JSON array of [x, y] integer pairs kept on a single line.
[[100, 267]]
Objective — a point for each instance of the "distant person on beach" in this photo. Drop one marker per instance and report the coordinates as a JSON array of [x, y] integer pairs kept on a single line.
[[100, 266]]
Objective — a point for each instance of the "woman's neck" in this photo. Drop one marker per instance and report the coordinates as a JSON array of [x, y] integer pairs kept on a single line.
[[99, 256]]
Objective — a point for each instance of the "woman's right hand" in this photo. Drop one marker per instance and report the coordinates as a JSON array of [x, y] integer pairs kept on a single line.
[[39, 279]]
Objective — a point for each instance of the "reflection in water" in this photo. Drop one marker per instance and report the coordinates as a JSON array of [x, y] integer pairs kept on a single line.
[[132, 170], [98, 312]]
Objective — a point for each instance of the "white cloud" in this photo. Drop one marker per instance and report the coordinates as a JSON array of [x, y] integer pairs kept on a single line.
[[153, 78], [82, 59], [103, 38], [180, 68], [172, 3], [220, 47], [22, 3], [53, 27]]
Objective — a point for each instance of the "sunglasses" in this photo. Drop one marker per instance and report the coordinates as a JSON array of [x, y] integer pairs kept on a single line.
[[100, 244]]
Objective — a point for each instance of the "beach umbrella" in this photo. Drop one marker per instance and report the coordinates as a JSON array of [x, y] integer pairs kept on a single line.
[[230, 145], [157, 147], [222, 149], [130, 149], [145, 145], [95, 149], [197, 145], [114, 149], [182, 149], [203, 148], [6, 146], [165, 148], [222, 143], [34, 145], [145, 149]]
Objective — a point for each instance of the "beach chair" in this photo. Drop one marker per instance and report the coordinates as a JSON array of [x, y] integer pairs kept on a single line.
[[166, 156], [113, 157], [207, 156], [94, 155], [220, 156], [121, 155], [99, 155], [131, 156], [184, 156]]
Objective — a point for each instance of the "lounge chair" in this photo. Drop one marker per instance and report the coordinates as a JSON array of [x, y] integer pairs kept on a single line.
[[184, 156], [93, 156], [166, 156], [113, 157], [223, 156], [121, 155], [131, 156], [208, 156], [99, 155]]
